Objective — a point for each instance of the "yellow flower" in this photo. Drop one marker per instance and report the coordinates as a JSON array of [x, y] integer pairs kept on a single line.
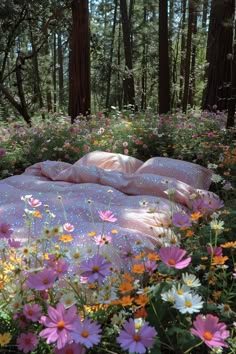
[[5, 338], [66, 238], [230, 244], [37, 214], [114, 231], [92, 233]]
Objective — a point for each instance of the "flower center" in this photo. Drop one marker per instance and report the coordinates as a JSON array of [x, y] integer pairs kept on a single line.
[[136, 337], [27, 341], [84, 333], [188, 303], [207, 335], [95, 269], [30, 312], [226, 308], [60, 324], [69, 351], [171, 261], [180, 292], [45, 281]]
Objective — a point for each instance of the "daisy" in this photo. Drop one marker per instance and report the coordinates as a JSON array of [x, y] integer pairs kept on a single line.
[[189, 303], [190, 280]]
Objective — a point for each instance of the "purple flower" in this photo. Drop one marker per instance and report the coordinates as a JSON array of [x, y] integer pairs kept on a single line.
[[60, 323], [107, 216], [95, 269], [27, 342], [41, 280], [72, 348], [2, 152], [207, 204], [5, 230], [173, 257], [210, 330], [59, 266], [86, 332], [32, 312], [134, 339], [214, 251], [14, 243], [150, 266], [181, 220]]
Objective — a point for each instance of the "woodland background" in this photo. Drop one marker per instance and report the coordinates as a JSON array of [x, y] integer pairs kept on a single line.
[[85, 56]]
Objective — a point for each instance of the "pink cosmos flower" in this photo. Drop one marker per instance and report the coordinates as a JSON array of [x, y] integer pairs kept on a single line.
[[207, 204], [181, 220], [34, 202], [73, 348], [173, 257], [68, 227], [5, 230], [95, 269], [150, 266], [86, 332], [27, 342], [60, 266], [214, 251], [136, 340], [60, 324], [210, 330], [107, 216], [41, 280], [102, 239], [32, 312]]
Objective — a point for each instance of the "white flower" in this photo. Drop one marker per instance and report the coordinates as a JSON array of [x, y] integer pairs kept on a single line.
[[217, 225], [181, 290], [212, 166], [216, 178], [68, 300], [190, 280], [169, 295], [189, 303]]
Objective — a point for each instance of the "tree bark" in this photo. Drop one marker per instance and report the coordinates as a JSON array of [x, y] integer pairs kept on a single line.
[[60, 71], [79, 87], [183, 50]]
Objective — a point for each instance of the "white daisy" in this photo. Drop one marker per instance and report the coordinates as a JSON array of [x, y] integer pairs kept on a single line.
[[190, 280], [189, 303], [169, 295], [68, 300]]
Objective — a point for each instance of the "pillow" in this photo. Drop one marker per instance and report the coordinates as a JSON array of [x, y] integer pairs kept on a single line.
[[110, 161], [195, 175]]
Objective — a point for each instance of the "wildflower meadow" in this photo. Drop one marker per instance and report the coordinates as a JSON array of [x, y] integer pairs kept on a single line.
[[178, 298]]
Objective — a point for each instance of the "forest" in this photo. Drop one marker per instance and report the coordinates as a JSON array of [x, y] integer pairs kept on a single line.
[[79, 57]]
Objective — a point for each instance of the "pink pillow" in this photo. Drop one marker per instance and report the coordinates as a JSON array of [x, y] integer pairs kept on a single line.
[[110, 161], [195, 175]]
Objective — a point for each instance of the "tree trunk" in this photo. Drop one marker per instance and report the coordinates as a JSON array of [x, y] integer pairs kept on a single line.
[[144, 61], [60, 71], [54, 72], [164, 76], [219, 55], [79, 102], [19, 81], [129, 90], [188, 55], [193, 63], [204, 14], [183, 50]]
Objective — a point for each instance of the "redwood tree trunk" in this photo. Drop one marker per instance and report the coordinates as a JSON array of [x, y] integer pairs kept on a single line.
[[79, 86]]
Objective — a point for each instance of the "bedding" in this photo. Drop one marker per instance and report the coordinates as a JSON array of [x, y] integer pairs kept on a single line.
[[101, 196]]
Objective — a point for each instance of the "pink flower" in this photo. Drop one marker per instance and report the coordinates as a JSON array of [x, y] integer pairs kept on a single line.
[[72, 348], [27, 342], [136, 340], [59, 323], [34, 202], [107, 216], [150, 266], [214, 251], [68, 227], [41, 280], [2, 152], [181, 220], [207, 204], [32, 312], [125, 144], [210, 330], [95, 269], [126, 151], [102, 239], [86, 332], [172, 257], [14, 243], [5, 230]]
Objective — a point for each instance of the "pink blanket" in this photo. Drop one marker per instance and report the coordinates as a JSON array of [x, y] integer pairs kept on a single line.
[[86, 188]]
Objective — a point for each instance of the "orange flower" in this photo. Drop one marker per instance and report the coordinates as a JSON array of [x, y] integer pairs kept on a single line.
[[126, 301], [189, 233], [141, 313], [66, 238], [138, 268], [92, 233], [195, 216], [141, 300], [37, 214], [140, 255], [230, 244], [114, 231], [219, 260], [216, 294], [127, 277], [153, 257], [125, 287]]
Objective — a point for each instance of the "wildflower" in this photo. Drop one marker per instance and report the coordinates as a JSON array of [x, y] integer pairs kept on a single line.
[[217, 226], [68, 300], [125, 287], [169, 295], [41, 280], [68, 227], [32, 312], [59, 323], [190, 280], [219, 260], [173, 257], [86, 332], [141, 300], [107, 216], [230, 244], [95, 269], [56, 230], [126, 301], [189, 303], [5, 230], [136, 340], [5, 338], [225, 310], [2, 152], [34, 202], [207, 204], [102, 239], [181, 220], [214, 251], [138, 268], [73, 348], [27, 342], [150, 266], [210, 330], [66, 238]]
